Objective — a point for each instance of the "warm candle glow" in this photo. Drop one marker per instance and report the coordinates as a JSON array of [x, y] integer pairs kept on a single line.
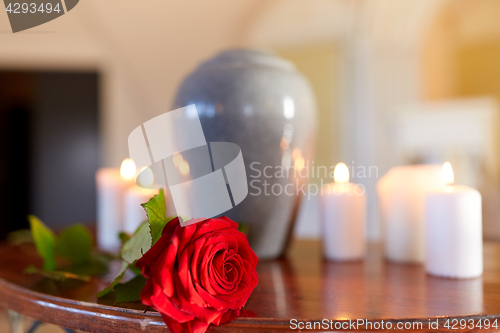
[[299, 163], [184, 168], [127, 169], [447, 174], [341, 174], [296, 153], [178, 159]]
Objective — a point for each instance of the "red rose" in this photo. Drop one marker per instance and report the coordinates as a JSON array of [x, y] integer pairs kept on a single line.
[[199, 275]]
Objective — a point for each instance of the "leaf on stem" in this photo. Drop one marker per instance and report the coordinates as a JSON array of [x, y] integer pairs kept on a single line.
[[156, 211], [75, 244], [130, 291], [45, 242], [137, 245], [116, 280], [56, 275]]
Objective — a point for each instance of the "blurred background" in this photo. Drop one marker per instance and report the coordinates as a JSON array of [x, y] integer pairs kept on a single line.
[[396, 82]]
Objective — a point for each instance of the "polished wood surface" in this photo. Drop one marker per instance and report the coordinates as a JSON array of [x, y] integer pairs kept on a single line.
[[301, 286]]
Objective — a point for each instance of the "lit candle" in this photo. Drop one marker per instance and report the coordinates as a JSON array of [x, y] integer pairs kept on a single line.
[[401, 194], [134, 213], [343, 216], [453, 230], [111, 185]]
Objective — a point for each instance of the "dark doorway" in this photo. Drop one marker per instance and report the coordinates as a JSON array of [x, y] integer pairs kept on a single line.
[[48, 147]]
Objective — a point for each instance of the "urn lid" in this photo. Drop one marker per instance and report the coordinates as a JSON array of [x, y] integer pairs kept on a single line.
[[246, 57]]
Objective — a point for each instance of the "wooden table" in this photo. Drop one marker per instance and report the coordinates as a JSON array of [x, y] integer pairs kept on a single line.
[[301, 286]]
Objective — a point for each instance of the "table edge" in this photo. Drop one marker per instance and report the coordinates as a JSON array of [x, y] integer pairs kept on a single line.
[[88, 316]]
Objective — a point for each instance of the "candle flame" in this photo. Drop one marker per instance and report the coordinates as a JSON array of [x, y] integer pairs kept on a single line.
[[447, 174], [299, 163], [127, 169], [341, 174], [288, 108], [296, 153], [178, 159], [184, 168]]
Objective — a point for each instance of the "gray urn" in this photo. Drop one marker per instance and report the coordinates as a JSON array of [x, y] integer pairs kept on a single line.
[[260, 102]]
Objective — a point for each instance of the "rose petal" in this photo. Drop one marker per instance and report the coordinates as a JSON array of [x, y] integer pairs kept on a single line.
[[233, 224], [194, 326], [185, 235], [210, 226], [171, 226], [166, 305], [206, 265], [230, 315], [163, 272], [186, 278], [199, 244]]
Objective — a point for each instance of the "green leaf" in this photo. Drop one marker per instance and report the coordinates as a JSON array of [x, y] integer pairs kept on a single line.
[[45, 242], [92, 267], [116, 280], [244, 228], [156, 211], [123, 237], [56, 275], [136, 270], [20, 236], [137, 245], [75, 244], [130, 291]]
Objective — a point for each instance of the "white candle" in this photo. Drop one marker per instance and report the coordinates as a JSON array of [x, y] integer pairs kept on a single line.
[[401, 194], [134, 213], [111, 186], [453, 230], [343, 206]]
